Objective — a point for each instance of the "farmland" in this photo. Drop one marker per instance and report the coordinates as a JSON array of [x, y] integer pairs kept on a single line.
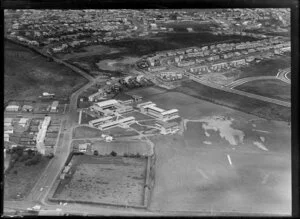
[[270, 88], [28, 74], [114, 180]]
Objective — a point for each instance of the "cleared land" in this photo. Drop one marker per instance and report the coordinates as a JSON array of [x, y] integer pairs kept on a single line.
[[27, 75], [86, 132], [270, 88], [235, 101], [193, 172], [21, 179], [113, 180]]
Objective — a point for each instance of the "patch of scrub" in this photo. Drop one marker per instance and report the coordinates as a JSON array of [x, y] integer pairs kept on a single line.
[[223, 125], [260, 145]]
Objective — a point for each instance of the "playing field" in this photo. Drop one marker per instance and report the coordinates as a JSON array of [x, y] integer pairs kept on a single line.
[[224, 161], [113, 180], [269, 88]]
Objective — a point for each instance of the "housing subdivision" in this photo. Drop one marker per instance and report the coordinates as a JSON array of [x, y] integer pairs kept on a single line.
[[179, 64]]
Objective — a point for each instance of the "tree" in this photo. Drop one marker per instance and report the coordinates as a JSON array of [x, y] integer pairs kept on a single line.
[[113, 153]]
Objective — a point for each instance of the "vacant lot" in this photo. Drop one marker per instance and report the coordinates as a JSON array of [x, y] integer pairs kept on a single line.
[[270, 88], [123, 147], [235, 101], [267, 67], [21, 179], [86, 132], [27, 75], [113, 180]]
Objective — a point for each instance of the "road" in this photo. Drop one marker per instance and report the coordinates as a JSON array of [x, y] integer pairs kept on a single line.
[[281, 75], [250, 95]]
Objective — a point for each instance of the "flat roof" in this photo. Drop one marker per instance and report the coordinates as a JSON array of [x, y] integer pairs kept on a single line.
[[169, 111], [166, 124], [7, 120], [101, 119], [144, 104], [107, 102], [156, 109], [118, 121]]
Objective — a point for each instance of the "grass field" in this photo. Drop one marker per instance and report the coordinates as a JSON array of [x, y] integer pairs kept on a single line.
[[267, 67], [120, 132], [113, 180], [21, 179], [85, 118], [270, 88], [86, 132], [27, 75], [245, 104], [193, 173]]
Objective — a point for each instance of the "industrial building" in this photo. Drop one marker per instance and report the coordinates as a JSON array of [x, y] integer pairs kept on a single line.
[[151, 109], [167, 128]]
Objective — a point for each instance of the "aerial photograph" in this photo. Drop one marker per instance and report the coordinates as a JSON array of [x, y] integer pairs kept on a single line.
[[147, 112]]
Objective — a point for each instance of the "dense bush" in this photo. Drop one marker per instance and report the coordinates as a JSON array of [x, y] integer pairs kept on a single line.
[[113, 153], [35, 160]]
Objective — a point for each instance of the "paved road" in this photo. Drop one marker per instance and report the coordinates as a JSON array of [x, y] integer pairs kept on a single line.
[[250, 95], [281, 75]]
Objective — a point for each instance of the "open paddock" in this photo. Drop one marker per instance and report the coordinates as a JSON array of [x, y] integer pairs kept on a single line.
[[113, 180]]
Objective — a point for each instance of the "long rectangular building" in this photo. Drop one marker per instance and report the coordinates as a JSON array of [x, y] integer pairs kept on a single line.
[[116, 123], [151, 109], [100, 121]]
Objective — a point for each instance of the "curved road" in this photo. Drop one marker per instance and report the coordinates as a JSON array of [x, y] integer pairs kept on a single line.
[[281, 75]]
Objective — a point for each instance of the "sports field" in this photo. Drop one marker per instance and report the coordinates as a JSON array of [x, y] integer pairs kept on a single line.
[[224, 161], [269, 88]]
